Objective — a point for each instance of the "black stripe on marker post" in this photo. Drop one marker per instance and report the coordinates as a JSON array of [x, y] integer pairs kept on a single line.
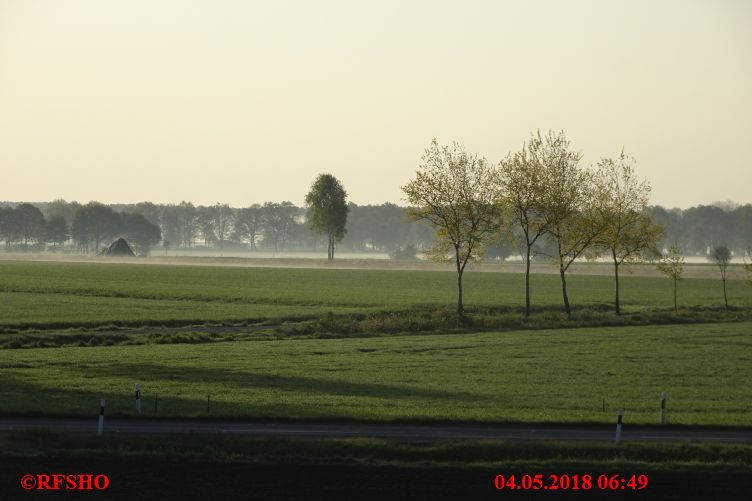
[[100, 428]]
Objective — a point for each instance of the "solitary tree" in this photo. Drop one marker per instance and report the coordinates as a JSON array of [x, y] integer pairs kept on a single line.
[[458, 194], [327, 210], [672, 265], [629, 233], [721, 256]]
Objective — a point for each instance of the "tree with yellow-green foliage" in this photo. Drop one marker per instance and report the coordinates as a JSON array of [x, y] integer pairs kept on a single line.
[[629, 233], [457, 193], [671, 264]]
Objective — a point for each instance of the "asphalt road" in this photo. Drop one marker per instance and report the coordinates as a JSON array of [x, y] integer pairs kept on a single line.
[[398, 431]]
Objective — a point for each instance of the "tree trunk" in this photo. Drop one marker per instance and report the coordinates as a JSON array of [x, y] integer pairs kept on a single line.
[[564, 291], [527, 282], [616, 283], [676, 308], [725, 298], [460, 309]]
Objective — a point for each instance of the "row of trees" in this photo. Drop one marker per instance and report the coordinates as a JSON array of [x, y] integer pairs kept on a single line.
[[93, 225], [538, 193], [271, 226], [381, 228], [671, 264]]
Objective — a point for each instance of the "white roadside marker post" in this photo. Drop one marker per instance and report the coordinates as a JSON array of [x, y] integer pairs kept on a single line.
[[100, 430], [619, 414], [138, 399], [663, 407]]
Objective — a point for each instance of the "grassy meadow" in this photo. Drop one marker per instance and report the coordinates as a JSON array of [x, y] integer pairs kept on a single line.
[[332, 367], [57, 295], [561, 375]]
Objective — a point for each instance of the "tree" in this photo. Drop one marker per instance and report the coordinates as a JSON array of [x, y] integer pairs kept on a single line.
[[94, 223], [278, 220], [526, 179], [672, 265], [457, 193], [629, 234], [205, 224], [574, 232], [223, 217], [567, 207], [141, 233], [327, 210], [60, 207], [748, 265], [30, 223], [9, 230], [188, 216], [248, 224], [56, 231], [721, 256]]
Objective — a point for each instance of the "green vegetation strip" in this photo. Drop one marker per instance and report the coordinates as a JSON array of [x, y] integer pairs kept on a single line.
[[380, 452], [562, 375], [49, 295]]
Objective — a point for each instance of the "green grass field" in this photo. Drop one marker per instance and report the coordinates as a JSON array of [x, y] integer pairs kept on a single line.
[[558, 375], [48, 294], [537, 375]]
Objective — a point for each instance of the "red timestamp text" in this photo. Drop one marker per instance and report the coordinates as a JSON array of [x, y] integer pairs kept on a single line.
[[564, 482]]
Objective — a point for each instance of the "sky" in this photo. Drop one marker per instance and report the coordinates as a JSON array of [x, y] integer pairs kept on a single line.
[[242, 101]]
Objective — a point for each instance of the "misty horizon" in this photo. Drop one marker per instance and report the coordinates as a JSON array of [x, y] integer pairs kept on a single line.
[[238, 101]]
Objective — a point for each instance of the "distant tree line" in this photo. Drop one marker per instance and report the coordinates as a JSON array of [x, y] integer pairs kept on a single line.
[[282, 226], [271, 226], [87, 228]]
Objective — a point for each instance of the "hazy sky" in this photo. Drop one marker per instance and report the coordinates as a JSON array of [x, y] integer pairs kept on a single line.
[[241, 101]]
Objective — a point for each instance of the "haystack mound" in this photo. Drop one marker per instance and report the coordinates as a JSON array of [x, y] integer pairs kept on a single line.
[[119, 248]]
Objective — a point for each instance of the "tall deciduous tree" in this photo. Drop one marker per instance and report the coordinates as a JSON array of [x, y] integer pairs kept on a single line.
[[95, 223], [457, 193], [248, 224], [721, 256], [141, 233], [327, 210], [577, 231], [629, 233], [672, 265], [57, 231], [278, 220], [30, 223], [224, 218], [8, 226], [530, 179]]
